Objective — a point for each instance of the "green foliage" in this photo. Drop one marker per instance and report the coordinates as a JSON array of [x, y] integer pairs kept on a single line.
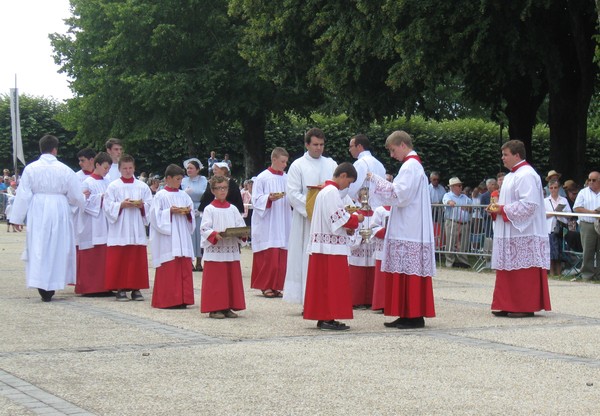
[[39, 116]]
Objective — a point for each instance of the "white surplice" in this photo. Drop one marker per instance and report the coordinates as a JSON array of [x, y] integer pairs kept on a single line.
[[522, 242], [47, 193], [271, 221], [113, 173], [219, 219], [126, 226], [380, 219], [171, 234], [365, 163], [305, 171], [408, 247], [92, 225]]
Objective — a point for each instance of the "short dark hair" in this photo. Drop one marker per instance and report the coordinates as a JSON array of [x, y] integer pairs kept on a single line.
[[126, 159], [313, 132], [347, 168], [111, 142], [174, 170], [363, 140], [515, 147], [102, 157], [87, 153], [48, 143]]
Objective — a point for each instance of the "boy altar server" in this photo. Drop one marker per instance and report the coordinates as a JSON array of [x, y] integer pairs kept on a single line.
[[92, 231], [172, 224], [270, 227], [328, 294], [380, 219], [222, 287], [126, 202]]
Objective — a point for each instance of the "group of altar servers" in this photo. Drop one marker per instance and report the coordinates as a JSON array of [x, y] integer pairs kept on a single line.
[[331, 267]]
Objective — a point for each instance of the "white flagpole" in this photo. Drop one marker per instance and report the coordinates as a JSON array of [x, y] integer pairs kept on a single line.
[[17, 142]]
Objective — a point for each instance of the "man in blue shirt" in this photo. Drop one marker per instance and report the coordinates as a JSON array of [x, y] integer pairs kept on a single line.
[[457, 225]]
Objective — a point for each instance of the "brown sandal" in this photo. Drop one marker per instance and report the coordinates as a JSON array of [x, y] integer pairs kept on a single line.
[[269, 294]]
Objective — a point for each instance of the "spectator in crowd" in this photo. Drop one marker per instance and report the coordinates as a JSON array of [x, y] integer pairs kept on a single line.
[[143, 177], [499, 179], [312, 169], [553, 176], [571, 189], [457, 224], [588, 202], [247, 200], [47, 193], [195, 185], [114, 148], [520, 253], [5, 184], [234, 196], [573, 236], [556, 224], [154, 185], [211, 161], [12, 189], [227, 160], [436, 190]]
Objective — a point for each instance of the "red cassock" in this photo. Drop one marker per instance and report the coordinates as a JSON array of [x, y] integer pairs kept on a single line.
[[328, 294], [361, 284], [173, 283], [522, 290], [91, 270], [408, 296], [378, 301], [222, 287], [268, 269], [126, 268]]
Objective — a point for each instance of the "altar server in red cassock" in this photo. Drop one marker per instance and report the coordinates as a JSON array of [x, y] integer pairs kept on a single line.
[[126, 204], [92, 231], [328, 293], [172, 223], [408, 248], [271, 223], [222, 286], [521, 251], [380, 219]]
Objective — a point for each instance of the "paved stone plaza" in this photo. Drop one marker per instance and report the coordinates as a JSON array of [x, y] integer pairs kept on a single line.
[[95, 356]]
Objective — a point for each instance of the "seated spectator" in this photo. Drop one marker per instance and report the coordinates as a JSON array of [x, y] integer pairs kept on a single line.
[[553, 176], [555, 230]]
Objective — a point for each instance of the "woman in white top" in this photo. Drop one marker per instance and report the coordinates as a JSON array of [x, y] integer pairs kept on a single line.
[[555, 202]]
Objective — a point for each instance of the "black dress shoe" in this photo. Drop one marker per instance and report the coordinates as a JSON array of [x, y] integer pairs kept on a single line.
[[46, 294], [500, 313], [520, 314], [393, 324], [332, 326], [461, 265], [412, 323]]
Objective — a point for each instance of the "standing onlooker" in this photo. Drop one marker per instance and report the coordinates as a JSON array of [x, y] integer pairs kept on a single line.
[[558, 203], [172, 222], [114, 148], [520, 253], [436, 190], [195, 185], [126, 204], [553, 176], [47, 191], [270, 227], [247, 200], [588, 202], [211, 161], [408, 247], [312, 169], [227, 160], [457, 225]]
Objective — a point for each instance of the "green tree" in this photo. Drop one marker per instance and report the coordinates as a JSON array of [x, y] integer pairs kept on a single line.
[[39, 116]]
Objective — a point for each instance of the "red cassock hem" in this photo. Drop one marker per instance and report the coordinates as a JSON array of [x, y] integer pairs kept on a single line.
[[361, 284], [408, 296], [523, 290], [222, 287], [90, 270], [126, 268], [328, 294], [173, 283], [378, 301], [268, 269]]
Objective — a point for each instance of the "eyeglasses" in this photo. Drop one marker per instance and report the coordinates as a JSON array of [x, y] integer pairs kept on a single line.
[[220, 188], [592, 180]]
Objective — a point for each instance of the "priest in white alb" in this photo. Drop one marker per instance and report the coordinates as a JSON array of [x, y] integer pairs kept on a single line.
[[312, 169], [48, 192], [521, 250], [271, 223], [408, 247]]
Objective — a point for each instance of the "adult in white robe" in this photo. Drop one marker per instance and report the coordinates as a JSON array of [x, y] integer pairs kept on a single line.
[[521, 251], [271, 224], [47, 193], [408, 247], [306, 171]]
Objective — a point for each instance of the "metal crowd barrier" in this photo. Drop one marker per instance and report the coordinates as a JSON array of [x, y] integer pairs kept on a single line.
[[3, 203]]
